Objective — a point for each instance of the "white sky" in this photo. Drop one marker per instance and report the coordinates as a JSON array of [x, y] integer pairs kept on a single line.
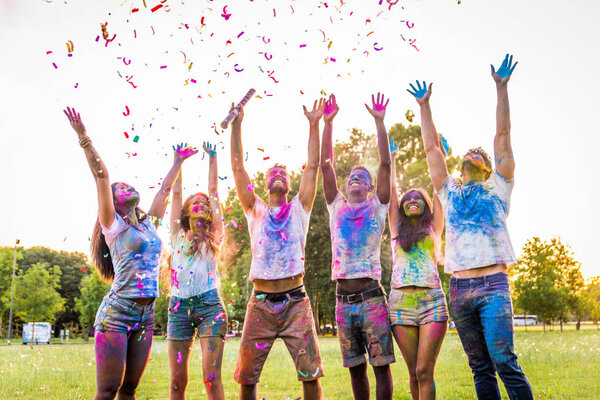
[[49, 196]]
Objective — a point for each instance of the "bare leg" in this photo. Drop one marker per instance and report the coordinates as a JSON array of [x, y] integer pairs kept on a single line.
[[431, 337], [111, 353], [407, 338], [248, 392], [383, 382], [212, 359], [138, 352], [360, 382], [312, 390], [179, 361]]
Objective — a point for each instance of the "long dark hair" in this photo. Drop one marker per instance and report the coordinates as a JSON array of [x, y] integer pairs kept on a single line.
[[206, 233], [410, 234], [99, 250]]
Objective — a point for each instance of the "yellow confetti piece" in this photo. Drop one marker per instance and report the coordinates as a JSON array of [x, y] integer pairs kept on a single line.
[[323, 93], [409, 115], [329, 45], [190, 66]]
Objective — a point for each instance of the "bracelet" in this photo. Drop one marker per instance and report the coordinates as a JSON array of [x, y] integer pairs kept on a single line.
[[86, 141]]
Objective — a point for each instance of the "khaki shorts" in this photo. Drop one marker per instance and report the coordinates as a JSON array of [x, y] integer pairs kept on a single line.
[[417, 308], [290, 320]]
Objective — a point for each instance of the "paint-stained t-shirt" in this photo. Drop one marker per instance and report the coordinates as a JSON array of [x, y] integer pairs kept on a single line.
[[476, 232], [277, 238], [135, 253], [356, 231], [416, 267], [192, 273]]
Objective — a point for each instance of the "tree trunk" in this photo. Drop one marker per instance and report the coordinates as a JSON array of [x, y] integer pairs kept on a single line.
[[561, 325], [578, 323], [316, 314], [32, 335]]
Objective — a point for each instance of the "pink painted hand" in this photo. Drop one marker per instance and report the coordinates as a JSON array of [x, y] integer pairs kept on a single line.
[[378, 110], [331, 109], [183, 151], [317, 111], [75, 121]]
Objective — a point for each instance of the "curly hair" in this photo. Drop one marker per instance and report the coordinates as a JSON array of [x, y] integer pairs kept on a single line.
[[206, 233]]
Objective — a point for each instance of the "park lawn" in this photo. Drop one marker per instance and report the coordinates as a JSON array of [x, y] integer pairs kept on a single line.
[[559, 366]]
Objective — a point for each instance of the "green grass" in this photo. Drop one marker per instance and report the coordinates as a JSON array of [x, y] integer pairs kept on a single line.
[[559, 366]]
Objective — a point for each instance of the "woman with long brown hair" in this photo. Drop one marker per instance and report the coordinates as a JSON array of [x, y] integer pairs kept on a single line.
[[195, 308], [417, 304], [125, 250]]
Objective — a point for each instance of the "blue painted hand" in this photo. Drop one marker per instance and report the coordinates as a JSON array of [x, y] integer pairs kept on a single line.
[[507, 67], [420, 92]]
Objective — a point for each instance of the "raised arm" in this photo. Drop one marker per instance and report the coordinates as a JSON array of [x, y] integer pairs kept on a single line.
[[435, 157], [505, 162], [106, 206], [176, 205], [242, 181], [159, 204], [394, 211], [308, 183], [329, 179], [213, 195], [383, 172]]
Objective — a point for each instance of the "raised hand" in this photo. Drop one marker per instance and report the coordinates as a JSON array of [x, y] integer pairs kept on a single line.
[[392, 147], [75, 121], [331, 109], [317, 111], [378, 110], [505, 71], [210, 149], [422, 94], [183, 151], [238, 119]]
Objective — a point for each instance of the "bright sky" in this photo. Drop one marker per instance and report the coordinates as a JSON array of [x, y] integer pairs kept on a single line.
[[49, 196]]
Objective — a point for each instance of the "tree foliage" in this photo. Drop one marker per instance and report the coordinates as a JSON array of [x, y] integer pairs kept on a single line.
[[36, 293], [92, 292], [548, 280]]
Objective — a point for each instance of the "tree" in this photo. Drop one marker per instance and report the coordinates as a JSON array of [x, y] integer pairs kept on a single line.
[[593, 294], [6, 265], [74, 267], [548, 280], [92, 293], [36, 295]]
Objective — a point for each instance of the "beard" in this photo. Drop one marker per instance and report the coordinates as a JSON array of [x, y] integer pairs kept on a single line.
[[278, 189]]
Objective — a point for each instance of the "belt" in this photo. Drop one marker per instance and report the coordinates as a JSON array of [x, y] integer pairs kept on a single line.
[[278, 297], [360, 297]]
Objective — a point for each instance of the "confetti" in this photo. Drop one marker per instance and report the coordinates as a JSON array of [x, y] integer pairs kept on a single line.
[[261, 346], [136, 139], [409, 115], [155, 8], [375, 46], [126, 113], [224, 14], [251, 187]]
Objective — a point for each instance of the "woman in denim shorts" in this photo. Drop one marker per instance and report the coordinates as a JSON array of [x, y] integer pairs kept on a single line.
[[125, 250], [195, 308], [417, 304]]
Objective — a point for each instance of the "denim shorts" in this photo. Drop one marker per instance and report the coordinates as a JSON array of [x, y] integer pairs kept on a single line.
[[198, 316], [118, 314], [418, 308], [364, 327]]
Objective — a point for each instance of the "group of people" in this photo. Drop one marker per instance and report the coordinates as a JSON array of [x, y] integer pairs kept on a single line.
[[478, 252]]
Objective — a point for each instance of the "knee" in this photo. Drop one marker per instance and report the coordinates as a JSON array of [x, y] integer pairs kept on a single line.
[[212, 380], [358, 371], [424, 372], [107, 392], [179, 383]]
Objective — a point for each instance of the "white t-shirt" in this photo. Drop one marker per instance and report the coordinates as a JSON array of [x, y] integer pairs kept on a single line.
[[416, 267], [356, 231], [192, 274], [476, 232], [135, 253], [277, 238]]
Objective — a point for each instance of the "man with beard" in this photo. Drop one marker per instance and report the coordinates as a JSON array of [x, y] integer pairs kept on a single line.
[[278, 306], [357, 224]]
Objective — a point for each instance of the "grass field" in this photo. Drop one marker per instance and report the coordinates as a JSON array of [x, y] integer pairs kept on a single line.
[[559, 366]]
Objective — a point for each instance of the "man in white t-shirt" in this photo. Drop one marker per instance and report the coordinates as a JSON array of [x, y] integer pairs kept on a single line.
[[357, 224], [278, 306], [478, 247]]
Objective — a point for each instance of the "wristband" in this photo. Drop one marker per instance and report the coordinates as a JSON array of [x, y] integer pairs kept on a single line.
[[86, 141]]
